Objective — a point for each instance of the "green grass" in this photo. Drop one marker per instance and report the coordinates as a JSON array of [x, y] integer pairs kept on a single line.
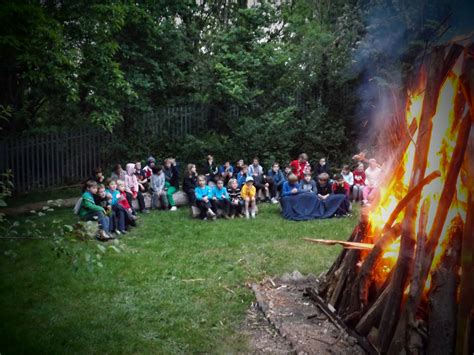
[[140, 301]]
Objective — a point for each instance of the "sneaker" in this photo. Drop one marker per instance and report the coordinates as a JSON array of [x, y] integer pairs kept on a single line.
[[247, 215], [210, 213], [274, 200], [253, 214], [117, 232], [123, 232], [174, 208], [102, 236]]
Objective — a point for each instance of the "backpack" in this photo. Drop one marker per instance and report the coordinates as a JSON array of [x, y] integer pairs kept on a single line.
[[77, 206]]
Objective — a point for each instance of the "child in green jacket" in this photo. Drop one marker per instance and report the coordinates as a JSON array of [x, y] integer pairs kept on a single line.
[[89, 211]]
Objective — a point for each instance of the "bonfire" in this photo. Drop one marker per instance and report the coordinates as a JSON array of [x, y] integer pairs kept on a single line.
[[405, 280]]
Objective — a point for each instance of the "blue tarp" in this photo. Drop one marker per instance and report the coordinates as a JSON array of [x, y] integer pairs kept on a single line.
[[306, 205]]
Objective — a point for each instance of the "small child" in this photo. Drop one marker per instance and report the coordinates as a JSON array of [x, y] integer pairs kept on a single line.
[[373, 178], [323, 187], [89, 211], [124, 201], [172, 181], [118, 173], [242, 175], [158, 188], [308, 184], [102, 199], [291, 187], [359, 183], [134, 188], [341, 187], [220, 198], [236, 202], [248, 194], [278, 179], [151, 162], [211, 169], [203, 199], [190, 183], [97, 175], [347, 175], [121, 217], [226, 171], [141, 176]]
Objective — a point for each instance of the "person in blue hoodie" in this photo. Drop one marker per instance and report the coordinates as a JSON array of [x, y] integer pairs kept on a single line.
[[242, 175], [278, 180], [220, 198], [291, 187], [203, 198]]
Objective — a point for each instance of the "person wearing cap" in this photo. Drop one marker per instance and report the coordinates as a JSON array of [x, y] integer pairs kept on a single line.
[[151, 162], [248, 194]]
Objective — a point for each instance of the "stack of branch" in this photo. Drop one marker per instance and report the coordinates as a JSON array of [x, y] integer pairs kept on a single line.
[[410, 322]]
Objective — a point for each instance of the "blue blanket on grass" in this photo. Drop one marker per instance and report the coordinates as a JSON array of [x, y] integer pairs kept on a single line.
[[305, 206]]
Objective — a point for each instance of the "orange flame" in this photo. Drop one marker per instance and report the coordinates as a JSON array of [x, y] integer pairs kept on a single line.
[[443, 140]]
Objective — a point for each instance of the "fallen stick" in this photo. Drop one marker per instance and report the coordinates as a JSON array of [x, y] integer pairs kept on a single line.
[[347, 245]]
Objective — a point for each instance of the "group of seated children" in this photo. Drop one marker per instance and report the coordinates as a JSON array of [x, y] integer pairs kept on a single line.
[[231, 191]]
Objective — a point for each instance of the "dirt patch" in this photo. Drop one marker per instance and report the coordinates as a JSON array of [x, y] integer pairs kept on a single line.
[[283, 321]]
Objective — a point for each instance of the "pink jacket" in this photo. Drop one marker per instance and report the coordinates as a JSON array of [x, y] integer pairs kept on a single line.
[[131, 181]]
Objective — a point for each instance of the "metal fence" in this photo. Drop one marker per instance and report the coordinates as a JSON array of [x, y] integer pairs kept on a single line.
[[50, 159]]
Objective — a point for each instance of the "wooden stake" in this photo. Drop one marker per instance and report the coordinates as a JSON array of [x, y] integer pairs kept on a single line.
[[407, 319], [442, 298]]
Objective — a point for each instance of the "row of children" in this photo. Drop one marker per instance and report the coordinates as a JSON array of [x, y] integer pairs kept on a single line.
[[232, 190]]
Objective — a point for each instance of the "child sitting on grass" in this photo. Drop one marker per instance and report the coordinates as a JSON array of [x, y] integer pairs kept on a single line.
[[248, 194], [157, 187], [291, 187], [203, 199], [236, 201], [220, 198], [323, 186], [89, 211], [308, 184], [341, 187]]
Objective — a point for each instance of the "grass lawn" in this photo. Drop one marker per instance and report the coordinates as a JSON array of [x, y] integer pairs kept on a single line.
[[142, 300]]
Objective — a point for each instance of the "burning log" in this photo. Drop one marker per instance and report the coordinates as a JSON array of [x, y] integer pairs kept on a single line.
[[439, 68], [466, 296], [440, 218], [442, 299], [384, 292]]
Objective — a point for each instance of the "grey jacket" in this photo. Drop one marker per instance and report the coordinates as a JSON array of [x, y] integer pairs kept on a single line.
[[157, 182]]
